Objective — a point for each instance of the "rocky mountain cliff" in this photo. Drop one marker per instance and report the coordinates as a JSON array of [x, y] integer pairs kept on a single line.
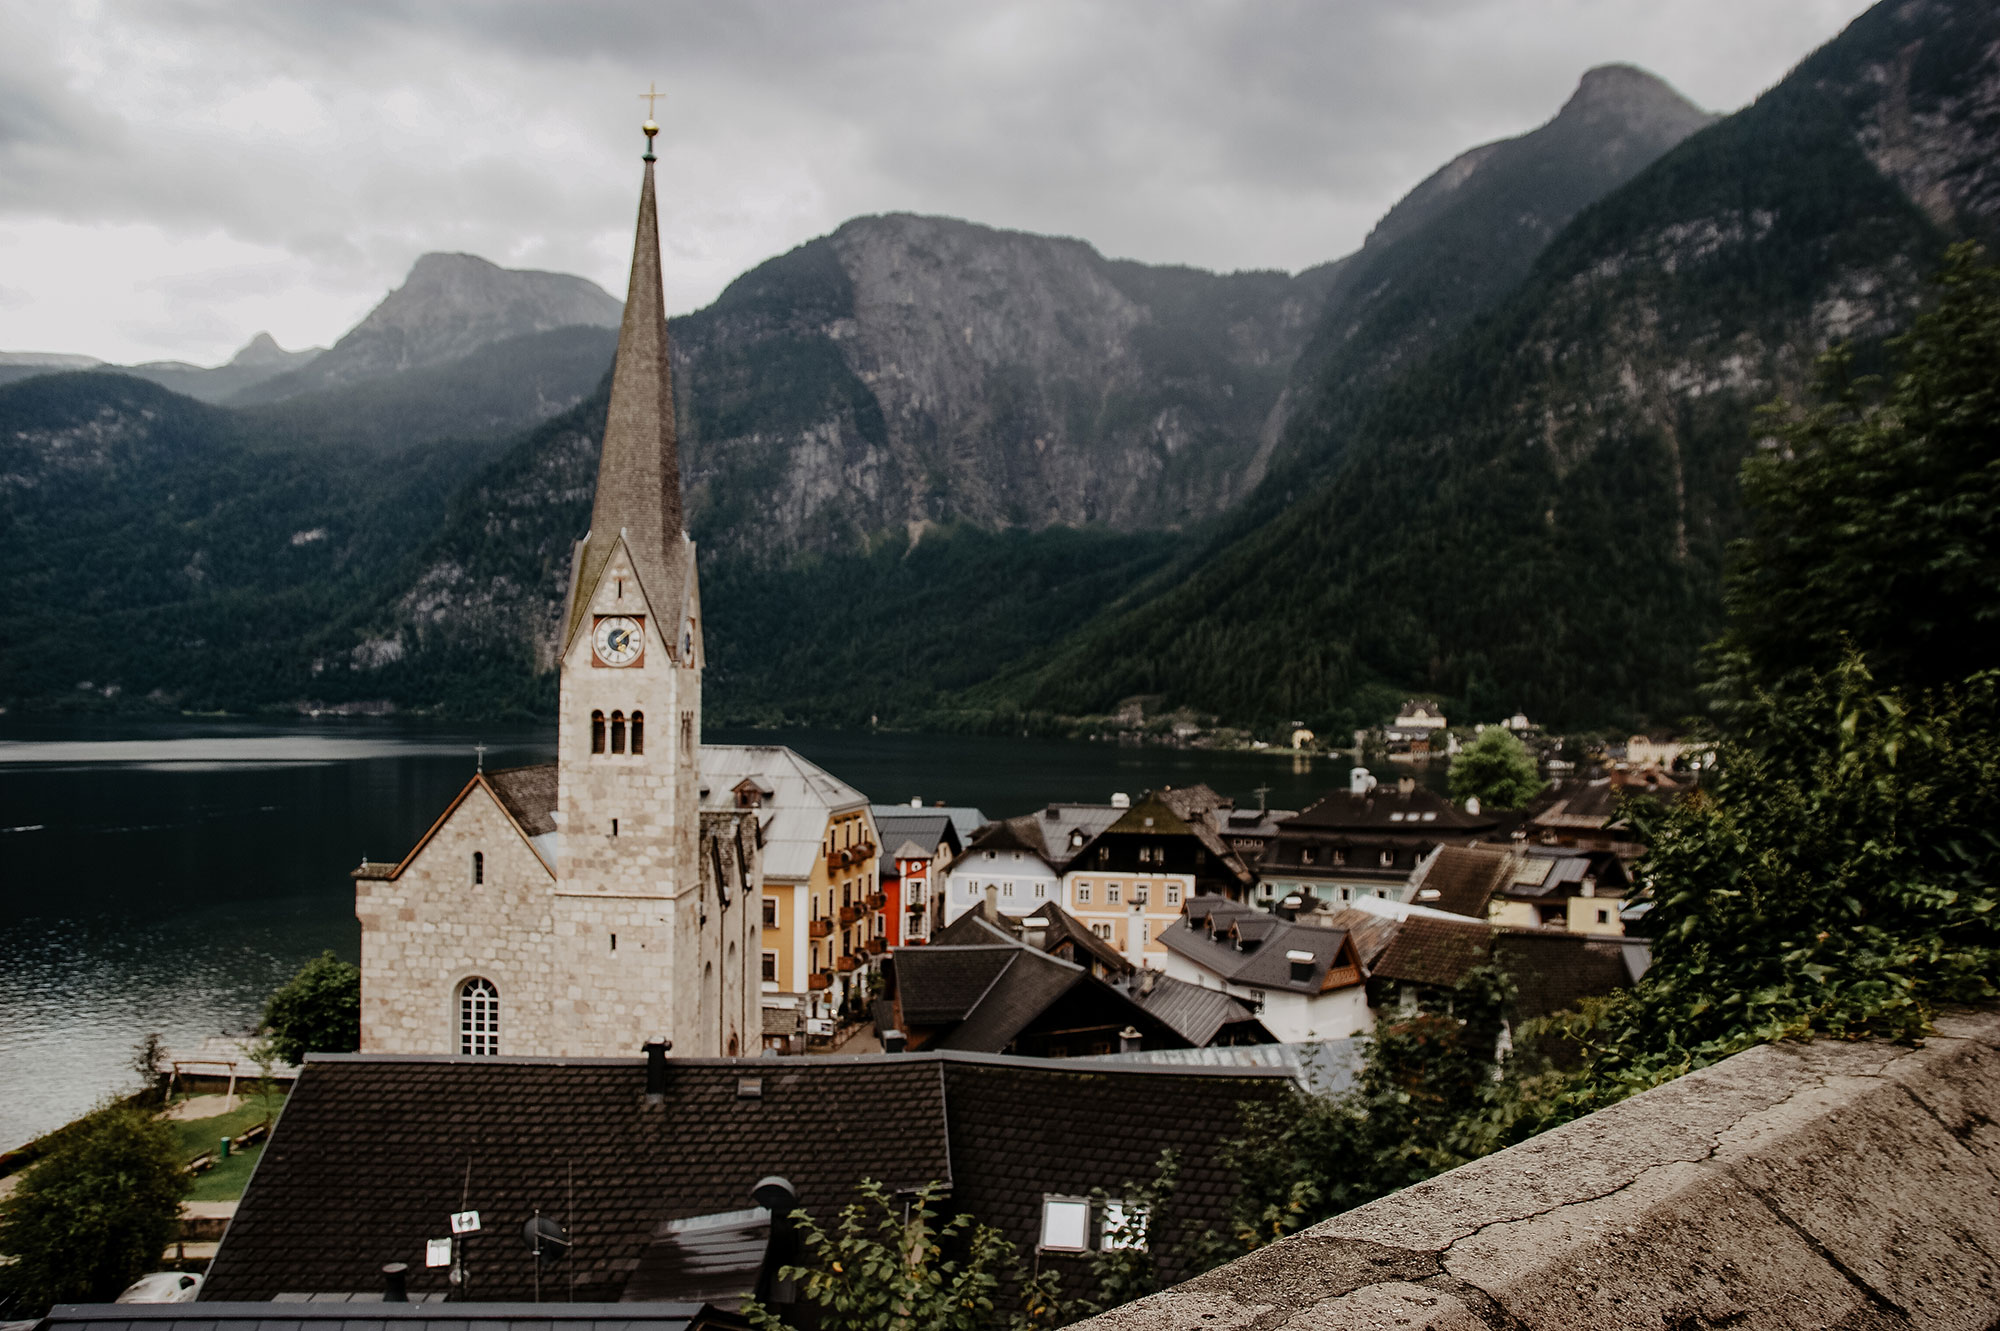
[[1535, 515], [450, 306], [906, 370]]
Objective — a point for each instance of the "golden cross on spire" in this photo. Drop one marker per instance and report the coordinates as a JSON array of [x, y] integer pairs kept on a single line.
[[651, 95]]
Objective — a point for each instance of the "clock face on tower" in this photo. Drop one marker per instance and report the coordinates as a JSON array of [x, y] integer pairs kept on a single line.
[[618, 640]]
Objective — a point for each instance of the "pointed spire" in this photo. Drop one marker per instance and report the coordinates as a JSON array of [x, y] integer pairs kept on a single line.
[[638, 472]]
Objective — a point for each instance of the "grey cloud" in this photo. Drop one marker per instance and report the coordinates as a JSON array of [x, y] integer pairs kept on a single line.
[[1224, 133]]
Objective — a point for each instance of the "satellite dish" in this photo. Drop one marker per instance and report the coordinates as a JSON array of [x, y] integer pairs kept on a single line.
[[545, 1238]]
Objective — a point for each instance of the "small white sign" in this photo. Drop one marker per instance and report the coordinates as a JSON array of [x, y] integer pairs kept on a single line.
[[819, 1026], [465, 1222], [437, 1252]]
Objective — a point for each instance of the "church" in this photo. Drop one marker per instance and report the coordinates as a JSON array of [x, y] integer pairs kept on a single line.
[[589, 906]]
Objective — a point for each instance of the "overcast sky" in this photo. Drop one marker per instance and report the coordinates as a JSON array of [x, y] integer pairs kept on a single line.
[[175, 176]]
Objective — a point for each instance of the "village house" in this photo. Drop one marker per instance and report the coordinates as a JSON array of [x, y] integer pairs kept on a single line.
[[1417, 731], [1368, 840], [1304, 981], [1587, 813], [819, 872], [918, 847], [583, 907], [1018, 863], [1129, 883]]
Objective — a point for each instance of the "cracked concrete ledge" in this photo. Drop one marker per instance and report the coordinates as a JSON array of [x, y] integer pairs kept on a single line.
[[1822, 1185]]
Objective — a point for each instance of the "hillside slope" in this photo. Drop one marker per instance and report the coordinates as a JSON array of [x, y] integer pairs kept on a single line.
[[1536, 515]]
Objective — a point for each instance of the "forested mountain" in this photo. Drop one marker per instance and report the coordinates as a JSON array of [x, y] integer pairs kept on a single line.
[[942, 473], [1535, 516]]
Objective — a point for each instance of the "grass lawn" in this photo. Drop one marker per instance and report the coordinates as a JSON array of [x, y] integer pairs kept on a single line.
[[194, 1136]]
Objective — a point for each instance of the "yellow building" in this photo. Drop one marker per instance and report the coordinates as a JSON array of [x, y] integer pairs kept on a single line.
[[821, 907]]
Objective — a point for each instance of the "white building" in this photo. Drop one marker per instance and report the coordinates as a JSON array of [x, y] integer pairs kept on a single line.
[[1304, 982]]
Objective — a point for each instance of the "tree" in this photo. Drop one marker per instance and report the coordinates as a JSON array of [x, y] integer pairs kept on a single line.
[[883, 1265], [1498, 770], [94, 1214], [1427, 1100], [317, 1010], [1875, 519]]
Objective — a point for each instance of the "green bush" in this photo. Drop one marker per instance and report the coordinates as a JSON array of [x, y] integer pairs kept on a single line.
[[317, 1011], [1497, 770], [94, 1214]]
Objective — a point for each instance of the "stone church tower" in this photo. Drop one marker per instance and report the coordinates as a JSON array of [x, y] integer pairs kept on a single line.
[[584, 908]]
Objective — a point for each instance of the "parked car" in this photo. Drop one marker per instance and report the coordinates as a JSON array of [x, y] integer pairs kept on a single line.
[[162, 1287]]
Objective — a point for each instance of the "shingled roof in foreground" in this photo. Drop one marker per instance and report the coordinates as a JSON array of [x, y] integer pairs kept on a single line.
[[374, 1153]]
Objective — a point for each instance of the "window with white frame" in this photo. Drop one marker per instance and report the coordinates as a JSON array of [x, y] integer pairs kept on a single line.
[[1083, 892], [1065, 1224], [1173, 894], [1111, 893], [478, 1017], [1125, 1225], [1141, 894]]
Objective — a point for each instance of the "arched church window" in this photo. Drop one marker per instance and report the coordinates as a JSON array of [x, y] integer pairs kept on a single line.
[[597, 732], [478, 1017], [618, 732], [478, 867], [638, 732]]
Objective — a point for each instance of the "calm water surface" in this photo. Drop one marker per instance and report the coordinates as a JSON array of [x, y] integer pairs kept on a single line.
[[166, 876]]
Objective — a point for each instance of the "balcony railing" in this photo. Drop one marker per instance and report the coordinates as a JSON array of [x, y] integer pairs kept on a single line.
[[877, 900], [844, 964], [875, 946], [848, 915], [819, 928], [820, 980]]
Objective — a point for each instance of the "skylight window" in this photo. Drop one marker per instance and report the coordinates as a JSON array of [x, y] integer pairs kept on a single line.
[[1125, 1225], [1065, 1224], [1430, 817]]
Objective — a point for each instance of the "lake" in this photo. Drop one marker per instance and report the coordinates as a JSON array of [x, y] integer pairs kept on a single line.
[[167, 875]]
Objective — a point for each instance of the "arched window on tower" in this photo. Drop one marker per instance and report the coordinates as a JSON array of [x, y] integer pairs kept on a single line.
[[597, 732], [618, 732], [478, 867], [478, 1017], [638, 732]]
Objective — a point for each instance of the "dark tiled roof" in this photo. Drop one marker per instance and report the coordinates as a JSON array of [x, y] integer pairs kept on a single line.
[[973, 928], [1465, 879], [368, 1313], [1016, 1135], [1010, 834], [1386, 809], [1370, 933], [937, 985], [1427, 950], [1265, 966], [1064, 927], [371, 1157], [1192, 802], [1031, 982], [371, 1154], [1197, 1014], [927, 827], [529, 795], [1553, 971]]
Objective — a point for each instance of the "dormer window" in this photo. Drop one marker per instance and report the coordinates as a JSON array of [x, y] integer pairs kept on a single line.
[[1075, 840], [1388, 858], [1305, 855]]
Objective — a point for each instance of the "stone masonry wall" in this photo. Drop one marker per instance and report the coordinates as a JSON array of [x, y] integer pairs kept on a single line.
[[1826, 1185]]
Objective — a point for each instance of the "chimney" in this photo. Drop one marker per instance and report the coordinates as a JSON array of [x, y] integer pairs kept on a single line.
[[990, 907], [1301, 966], [894, 1042], [916, 801], [1472, 804], [656, 1070], [1359, 782], [1147, 979], [1120, 800], [395, 1282], [1128, 1040], [777, 1196], [1406, 785], [1035, 932]]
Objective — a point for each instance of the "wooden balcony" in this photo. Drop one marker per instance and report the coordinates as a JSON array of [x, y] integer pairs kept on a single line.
[[820, 980], [844, 964], [819, 928], [876, 946], [848, 915], [877, 900]]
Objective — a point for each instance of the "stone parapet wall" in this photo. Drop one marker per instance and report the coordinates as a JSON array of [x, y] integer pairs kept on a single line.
[[1824, 1185]]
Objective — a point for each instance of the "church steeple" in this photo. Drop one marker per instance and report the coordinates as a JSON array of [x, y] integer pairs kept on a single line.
[[638, 474]]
